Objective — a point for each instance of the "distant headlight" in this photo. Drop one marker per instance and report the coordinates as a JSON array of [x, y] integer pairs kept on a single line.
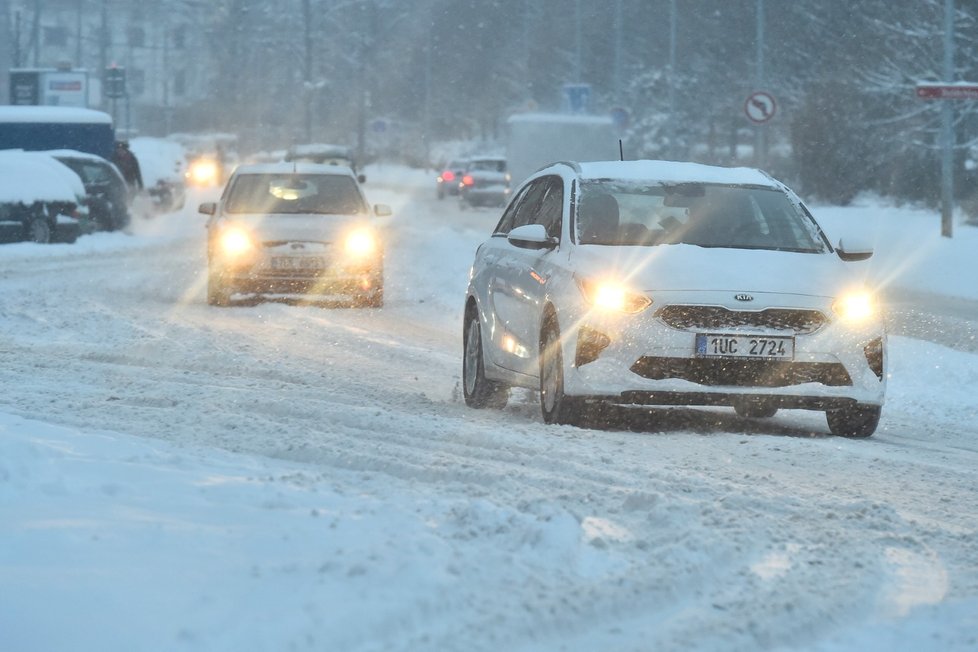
[[202, 172], [361, 243], [235, 242], [856, 307], [613, 296]]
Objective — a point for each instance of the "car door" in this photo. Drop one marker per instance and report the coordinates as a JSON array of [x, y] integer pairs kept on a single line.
[[521, 277]]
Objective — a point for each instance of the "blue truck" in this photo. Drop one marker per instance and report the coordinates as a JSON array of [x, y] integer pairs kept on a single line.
[[41, 128], [47, 212]]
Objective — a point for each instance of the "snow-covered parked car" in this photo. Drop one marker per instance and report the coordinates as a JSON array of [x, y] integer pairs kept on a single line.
[[485, 182], [39, 198], [660, 283], [106, 193], [294, 228]]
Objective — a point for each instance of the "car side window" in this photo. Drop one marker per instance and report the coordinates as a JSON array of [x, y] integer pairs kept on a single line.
[[506, 223], [529, 209], [552, 206]]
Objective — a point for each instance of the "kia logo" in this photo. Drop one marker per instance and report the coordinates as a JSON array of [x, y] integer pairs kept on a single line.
[[743, 297]]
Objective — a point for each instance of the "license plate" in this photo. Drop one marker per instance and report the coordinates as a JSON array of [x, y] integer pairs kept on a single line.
[[710, 345], [297, 262]]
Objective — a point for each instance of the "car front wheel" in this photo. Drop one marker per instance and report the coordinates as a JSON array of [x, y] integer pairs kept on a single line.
[[479, 391], [857, 422], [555, 406], [39, 230]]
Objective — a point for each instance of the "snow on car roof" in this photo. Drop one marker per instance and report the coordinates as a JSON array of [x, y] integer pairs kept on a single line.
[[37, 176], [74, 153], [674, 172], [321, 149], [289, 168], [563, 118], [29, 114]]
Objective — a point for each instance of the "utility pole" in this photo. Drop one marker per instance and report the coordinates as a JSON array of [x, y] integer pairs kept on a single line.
[[307, 90], [79, 8], [673, 25], [578, 42], [947, 128], [37, 33], [618, 51], [760, 131]]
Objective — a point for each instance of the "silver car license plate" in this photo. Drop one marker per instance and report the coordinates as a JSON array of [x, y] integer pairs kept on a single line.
[[297, 262], [764, 347]]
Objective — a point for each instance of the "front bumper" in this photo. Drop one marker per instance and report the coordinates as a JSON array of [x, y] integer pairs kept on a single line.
[[639, 359], [313, 274]]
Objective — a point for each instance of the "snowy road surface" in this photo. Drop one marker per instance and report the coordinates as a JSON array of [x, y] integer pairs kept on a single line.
[[307, 477]]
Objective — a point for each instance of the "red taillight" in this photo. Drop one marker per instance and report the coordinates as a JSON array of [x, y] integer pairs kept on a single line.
[[448, 175], [467, 180]]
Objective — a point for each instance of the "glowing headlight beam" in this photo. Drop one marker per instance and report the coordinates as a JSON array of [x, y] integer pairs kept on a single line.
[[361, 243], [235, 242], [855, 306], [612, 296]]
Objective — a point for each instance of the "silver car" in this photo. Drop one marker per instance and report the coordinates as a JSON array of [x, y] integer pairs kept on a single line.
[[294, 228], [661, 283]]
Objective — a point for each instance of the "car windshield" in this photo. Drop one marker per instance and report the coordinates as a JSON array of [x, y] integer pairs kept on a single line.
[[487, 165], [707, 215], [295, 194]]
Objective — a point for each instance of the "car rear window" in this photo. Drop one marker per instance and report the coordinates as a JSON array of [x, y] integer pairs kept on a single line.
[[707, 215], [295, 194]]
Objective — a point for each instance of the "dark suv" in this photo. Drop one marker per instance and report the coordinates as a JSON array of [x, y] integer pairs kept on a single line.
[[107, 196]]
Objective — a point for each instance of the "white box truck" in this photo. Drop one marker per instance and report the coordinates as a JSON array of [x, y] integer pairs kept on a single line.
[[538, 139]]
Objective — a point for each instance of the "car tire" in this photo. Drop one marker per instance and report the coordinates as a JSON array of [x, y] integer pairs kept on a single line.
[[479, 391], [755, 409], [555, 406], [857, 422], [218, 293], [39, 230]]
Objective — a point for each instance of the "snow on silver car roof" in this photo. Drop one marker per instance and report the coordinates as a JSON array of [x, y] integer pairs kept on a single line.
[[674, 172], [288, 168]]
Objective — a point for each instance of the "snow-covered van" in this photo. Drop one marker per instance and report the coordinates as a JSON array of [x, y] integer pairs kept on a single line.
[[40, 128]]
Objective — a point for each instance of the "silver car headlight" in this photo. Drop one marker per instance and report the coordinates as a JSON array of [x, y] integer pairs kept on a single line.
[[612, 296], [856, 307]]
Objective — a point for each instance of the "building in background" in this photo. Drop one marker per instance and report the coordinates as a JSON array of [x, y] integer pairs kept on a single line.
[[149, 51]]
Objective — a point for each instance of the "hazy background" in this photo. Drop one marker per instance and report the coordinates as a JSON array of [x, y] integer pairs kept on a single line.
[[393, 78]]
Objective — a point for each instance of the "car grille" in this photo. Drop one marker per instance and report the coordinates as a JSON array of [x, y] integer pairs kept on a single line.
[[700, 318], [742, 373]]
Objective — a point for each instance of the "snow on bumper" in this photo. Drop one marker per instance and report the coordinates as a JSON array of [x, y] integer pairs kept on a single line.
[[641, 359]]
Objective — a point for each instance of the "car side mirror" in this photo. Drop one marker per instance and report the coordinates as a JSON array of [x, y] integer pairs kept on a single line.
[[853, 250], [382, 210], [362, 178], [207, 208], [531, 236]]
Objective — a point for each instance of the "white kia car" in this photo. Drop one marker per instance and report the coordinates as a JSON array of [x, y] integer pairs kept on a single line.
[[662, 283], [294, 228]]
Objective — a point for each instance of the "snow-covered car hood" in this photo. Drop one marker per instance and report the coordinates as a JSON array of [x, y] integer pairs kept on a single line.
[[682, 267], [308, 228]]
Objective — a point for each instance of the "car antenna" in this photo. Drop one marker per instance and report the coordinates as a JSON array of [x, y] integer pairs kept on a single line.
[[621, 150]]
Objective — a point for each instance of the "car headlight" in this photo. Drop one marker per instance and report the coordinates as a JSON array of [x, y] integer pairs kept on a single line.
[[361, 243], [203, 172], [856, 307], [235, 242], [613, 296]]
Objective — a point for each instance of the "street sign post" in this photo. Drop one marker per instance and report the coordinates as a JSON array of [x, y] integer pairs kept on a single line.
[[115, 83], [947, 91], [760, 107]]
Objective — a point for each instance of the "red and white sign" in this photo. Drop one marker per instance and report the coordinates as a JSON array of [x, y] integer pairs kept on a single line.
[[760, 107], [959, 91]]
